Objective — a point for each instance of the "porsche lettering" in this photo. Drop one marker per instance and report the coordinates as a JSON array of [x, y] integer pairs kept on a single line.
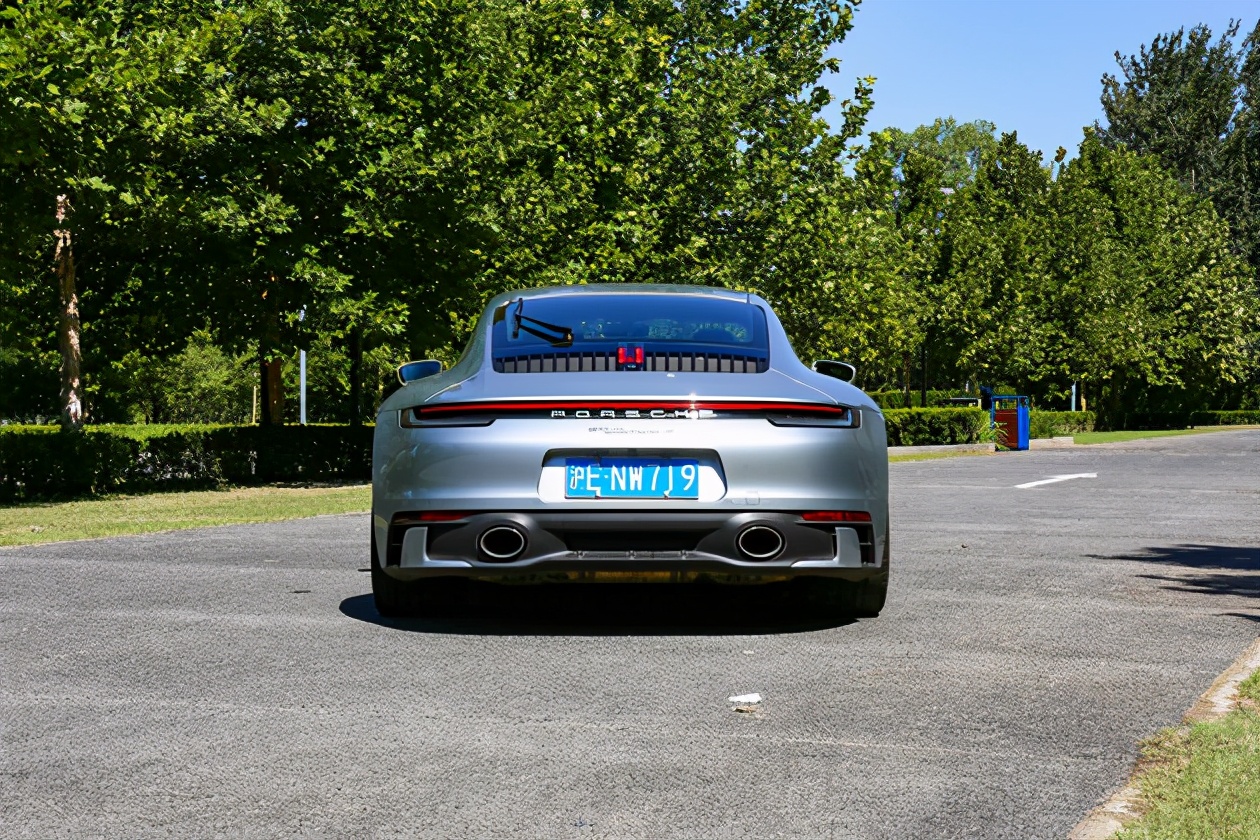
[[633, 413]]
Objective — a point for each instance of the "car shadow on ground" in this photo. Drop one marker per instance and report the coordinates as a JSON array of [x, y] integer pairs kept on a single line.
[[1208, 569], [609, 610]]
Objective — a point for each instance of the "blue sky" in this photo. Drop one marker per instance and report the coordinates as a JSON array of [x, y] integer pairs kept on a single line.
[[1028, 66]]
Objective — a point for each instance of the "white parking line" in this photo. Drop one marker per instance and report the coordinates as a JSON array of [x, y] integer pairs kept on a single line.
[[1054, 479]]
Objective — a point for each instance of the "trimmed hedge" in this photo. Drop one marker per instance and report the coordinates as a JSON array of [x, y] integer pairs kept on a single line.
[[1225, 418], [1047, 424], [41, 462], [897, 399], [927, 426], [1159, 420]]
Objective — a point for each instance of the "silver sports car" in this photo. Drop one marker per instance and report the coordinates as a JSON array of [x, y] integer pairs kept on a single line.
[[635, 434]]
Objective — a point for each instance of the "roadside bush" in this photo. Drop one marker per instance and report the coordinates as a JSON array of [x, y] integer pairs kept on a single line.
[[928, 426], [41, 462], [899, 399], [1225, 418], [1047, 424], [201, 384], [265, 454], [1144, 420], [1140, 421]]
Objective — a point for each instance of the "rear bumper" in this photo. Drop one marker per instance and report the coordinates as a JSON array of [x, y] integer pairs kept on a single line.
[[743, 547]]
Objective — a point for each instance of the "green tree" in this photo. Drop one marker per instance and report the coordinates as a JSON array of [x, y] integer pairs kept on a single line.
[[384, 167], [65, 140], [991, 267], [838, 280], [1192, 103], [1147, 306], [931, 164], [936, 160]]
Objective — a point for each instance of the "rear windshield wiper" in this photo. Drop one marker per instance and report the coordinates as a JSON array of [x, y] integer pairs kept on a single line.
[[553, 334]]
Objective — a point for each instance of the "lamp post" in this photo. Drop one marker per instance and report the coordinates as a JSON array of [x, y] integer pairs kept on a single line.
[[302, 374]]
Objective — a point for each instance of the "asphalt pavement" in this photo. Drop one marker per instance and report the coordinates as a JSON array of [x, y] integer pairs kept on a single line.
[[236, 682]]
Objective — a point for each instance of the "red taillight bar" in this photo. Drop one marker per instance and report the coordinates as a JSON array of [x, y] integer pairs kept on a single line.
[[508, 407], [836, 516], [429, 516]]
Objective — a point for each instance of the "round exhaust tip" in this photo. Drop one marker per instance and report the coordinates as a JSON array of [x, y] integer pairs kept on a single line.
[[759, 542], [502, 542]]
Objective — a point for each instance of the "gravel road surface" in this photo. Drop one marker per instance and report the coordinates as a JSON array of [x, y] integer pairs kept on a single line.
[[236, 682]]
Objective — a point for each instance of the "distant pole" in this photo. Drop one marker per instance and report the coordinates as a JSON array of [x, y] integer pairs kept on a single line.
[[253, 408], [1073, 408], [302, 374], [302, 377]]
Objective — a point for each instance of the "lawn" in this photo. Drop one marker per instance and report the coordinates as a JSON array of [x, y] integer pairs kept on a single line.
[[118, 515], [932, 456], [1203, 781], [1119, 437]]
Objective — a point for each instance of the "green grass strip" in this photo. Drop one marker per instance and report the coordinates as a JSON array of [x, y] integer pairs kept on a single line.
[[932, 456], [1249, 689], [1203, 781], [1119, 437], [114, 516]]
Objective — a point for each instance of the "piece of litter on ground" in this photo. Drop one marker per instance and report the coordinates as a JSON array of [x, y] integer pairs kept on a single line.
[[749, 652], [747, 709], [744, 698]]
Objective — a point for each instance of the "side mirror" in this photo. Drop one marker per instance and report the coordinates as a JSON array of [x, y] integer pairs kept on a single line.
[[411, 371], [837, 370]]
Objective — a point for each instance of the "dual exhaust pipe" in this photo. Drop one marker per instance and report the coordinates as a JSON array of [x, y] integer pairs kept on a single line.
[[505, 543]]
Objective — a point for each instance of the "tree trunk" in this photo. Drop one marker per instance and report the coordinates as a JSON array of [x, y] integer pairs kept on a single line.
[[924, 385], [356, 376], [271, 369], [68, 328], [271, 390]]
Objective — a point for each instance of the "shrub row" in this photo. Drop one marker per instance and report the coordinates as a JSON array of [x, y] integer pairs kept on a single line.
[[42, 462], [1225, 418], [899, 399], [1143, 420], [1047, 424], [927, 426]]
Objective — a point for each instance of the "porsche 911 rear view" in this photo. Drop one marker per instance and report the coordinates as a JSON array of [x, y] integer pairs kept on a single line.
[[630, 433]]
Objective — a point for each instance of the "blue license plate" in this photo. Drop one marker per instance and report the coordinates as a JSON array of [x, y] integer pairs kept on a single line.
[[631, 478]]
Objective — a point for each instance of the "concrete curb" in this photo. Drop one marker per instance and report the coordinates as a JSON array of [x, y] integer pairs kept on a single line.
[[1220, 699], [1035, 443], [958, 447], [1052, 443]]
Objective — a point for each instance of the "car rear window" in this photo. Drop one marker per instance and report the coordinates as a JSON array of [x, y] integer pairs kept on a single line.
[[629, 332]]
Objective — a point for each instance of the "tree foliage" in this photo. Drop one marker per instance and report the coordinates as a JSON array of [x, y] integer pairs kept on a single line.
[[1113, 276], [354, 178], [387, 166], [1192, 103], [1149, 298]]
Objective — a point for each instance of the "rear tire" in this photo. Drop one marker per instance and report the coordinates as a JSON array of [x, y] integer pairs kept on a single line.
[[846, 598], [403, 598], [392, 597], [851, 599]]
